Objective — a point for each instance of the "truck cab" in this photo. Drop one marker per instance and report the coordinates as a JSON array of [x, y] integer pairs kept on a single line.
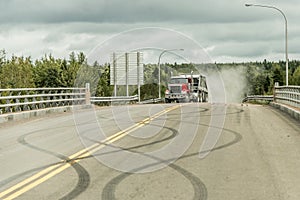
[[186, 88]]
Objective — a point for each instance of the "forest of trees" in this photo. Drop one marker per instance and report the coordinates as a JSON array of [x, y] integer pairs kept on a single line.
[[23, 72], [261, 76]]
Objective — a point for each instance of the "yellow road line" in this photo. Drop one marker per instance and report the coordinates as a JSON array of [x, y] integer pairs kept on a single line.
[[37, 182], [28, 180], [49, 172]]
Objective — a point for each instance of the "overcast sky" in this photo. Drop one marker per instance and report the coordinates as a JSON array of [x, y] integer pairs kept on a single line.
[[227, 30]]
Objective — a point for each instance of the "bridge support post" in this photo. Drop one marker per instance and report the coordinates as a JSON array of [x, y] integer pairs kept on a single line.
[[87, 94], [274, 91]]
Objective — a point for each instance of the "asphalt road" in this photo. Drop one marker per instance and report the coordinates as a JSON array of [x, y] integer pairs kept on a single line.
[[153, 152]]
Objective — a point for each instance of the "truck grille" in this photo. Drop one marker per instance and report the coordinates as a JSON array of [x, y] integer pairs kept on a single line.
[[175, 89]]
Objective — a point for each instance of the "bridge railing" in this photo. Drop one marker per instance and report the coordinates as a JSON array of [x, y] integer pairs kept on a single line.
[[289, 95], [258, 98], [25, 99], [114, 99]]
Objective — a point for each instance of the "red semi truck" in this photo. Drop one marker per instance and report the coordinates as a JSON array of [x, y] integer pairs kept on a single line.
[[187, 88]]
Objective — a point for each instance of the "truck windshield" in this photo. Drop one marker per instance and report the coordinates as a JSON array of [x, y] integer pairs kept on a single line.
[[178, 80]]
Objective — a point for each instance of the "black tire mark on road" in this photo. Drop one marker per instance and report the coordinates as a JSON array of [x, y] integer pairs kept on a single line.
[[200, 189], [174, 134], [15, 177], [205, 110], [237, 139], [83, 175]]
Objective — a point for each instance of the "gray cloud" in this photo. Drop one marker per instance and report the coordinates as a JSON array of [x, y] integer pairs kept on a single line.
[[120, 11], [227, 29]]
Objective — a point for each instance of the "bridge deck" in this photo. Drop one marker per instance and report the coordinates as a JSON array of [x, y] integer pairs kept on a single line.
[[256, 156]]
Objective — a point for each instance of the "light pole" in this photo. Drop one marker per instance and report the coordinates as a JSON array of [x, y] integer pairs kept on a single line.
[[286, 38], [160, 55]]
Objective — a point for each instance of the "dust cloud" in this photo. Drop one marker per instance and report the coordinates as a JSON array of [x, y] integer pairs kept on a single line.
[[226, 83]]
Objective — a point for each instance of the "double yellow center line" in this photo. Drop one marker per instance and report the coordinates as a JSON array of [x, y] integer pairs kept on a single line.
[[47, 173]]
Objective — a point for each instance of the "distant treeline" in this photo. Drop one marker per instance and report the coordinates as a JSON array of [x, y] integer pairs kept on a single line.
[[262, 76], [23, 72]]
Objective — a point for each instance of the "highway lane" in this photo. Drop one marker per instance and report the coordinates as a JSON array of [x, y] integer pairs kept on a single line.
[[256, 157]]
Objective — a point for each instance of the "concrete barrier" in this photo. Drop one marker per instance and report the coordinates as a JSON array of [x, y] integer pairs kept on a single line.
[[17, 116], [287, 109]]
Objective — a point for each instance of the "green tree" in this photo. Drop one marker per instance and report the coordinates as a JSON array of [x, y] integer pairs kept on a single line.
[[51, 72], [72, 68], [267, 65], [48, 72], [17, 73], [2, 57], [277, 74], [296, 76], [104, 88]]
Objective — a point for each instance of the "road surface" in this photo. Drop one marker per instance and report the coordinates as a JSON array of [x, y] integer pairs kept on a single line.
[[62, 156]]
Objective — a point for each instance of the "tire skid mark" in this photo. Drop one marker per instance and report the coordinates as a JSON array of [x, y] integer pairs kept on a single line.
[[14, 177], [61, 166], [83, 175], [200, 190], [174, 134]]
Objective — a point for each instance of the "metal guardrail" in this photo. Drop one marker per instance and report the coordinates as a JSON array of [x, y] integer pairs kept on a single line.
[[25, 99], [148, 101], [289, 95], [114, 99], [258, 98]]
